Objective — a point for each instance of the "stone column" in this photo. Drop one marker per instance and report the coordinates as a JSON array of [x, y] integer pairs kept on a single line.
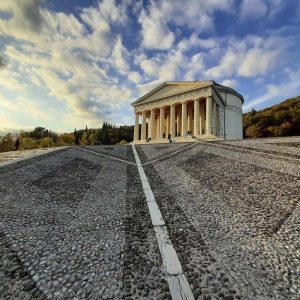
[[168, 126], [136, 127], [196, 117], [177, 124], [218, 121], [157, 127], [172, 120], [184, 119], [161, 123], [200, 118], [189, 120], [209, 115], [143, 137], [214, 118], [152, 125]]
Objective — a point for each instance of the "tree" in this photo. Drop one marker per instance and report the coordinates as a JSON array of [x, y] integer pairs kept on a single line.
[[7, 143], [119, 135], [278, 120], [85, 139], [77, 138], [93, 138], [68, 138], [38, 133], [253, 132], [104, 134]]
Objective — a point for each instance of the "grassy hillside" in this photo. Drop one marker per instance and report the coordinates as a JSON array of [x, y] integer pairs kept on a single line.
[[278, 120]]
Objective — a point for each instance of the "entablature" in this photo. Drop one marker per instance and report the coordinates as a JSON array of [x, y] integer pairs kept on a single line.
[[175, 99]]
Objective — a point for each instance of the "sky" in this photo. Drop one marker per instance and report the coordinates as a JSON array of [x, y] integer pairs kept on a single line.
[[68, 64]]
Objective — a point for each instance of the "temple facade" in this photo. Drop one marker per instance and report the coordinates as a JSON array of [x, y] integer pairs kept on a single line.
[[200, 109]]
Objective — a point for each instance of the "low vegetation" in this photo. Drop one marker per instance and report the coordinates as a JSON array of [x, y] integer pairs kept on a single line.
[[41, 137], [278, 120]]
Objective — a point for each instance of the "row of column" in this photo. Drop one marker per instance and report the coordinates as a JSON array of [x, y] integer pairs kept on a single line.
[[211, 121]]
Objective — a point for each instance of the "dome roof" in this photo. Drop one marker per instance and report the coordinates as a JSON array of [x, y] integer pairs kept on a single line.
[[227, 89]]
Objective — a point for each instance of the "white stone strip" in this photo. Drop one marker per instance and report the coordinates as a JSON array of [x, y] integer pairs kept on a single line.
[[105, 155], [170, 154], [251, 151], [178, 284], [167, 251]]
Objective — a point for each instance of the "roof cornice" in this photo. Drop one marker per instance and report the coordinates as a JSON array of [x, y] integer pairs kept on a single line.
[[209, 83]]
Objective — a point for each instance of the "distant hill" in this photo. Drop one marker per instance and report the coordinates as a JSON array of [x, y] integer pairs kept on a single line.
[[278, 120]]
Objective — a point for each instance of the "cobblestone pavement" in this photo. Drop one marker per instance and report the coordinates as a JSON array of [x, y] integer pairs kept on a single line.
[[75, 224]]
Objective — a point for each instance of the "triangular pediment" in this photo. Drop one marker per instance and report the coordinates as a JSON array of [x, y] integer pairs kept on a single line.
[[171, 88]]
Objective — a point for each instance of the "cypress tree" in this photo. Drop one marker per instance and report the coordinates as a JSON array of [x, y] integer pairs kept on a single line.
[[76, 136]]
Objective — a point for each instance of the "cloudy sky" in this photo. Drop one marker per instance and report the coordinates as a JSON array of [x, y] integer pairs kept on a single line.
[[69, 63]]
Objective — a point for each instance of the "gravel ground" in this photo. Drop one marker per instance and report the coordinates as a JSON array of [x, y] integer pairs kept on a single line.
[[288, 145], [13, 155], [64, 217], [16, 282], [75, 225], [144, 277], [156, 151], [207, 277], [118, 151], [247, 215]]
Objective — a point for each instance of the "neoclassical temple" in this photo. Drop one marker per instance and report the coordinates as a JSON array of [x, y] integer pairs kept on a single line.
[[204, 109]]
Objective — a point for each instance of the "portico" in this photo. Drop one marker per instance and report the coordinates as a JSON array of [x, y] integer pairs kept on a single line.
[[181, 109]]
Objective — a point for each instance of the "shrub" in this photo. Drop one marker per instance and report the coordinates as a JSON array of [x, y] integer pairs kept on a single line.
[[46, 142], [123, 142], [29, 143]]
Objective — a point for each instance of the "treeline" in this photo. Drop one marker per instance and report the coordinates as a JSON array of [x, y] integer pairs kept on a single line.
[[278, 120], [108, 135], [41, 137]]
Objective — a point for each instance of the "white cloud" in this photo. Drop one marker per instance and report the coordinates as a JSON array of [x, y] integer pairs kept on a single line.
[[25, 20], [56, 52], [195, 67], [20, 104], [105, 13], [119, 57], [155, 32], [163, 66], [257, 62], [11, 80], [135, 77], [156, 20], [250, 57], [230, 83], [147, 87], [253, 9], [284, 89]]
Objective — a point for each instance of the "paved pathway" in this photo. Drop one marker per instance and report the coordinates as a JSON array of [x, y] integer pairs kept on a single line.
[[208, 220]]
